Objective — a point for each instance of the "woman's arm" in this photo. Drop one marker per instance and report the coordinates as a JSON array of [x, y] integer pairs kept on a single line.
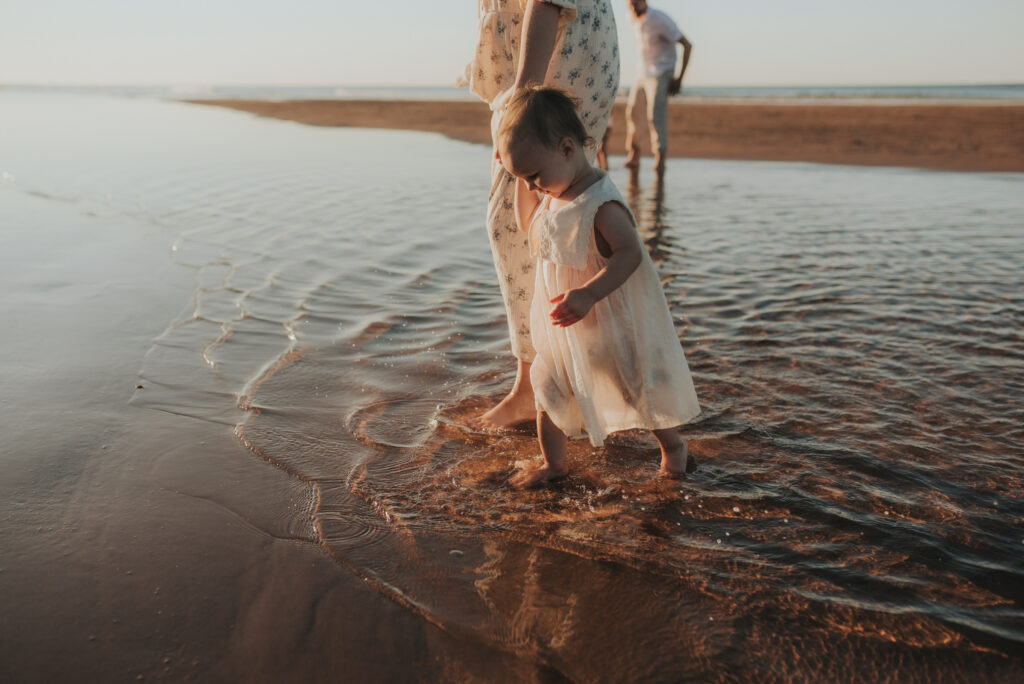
[[540, 28], [614, 225]]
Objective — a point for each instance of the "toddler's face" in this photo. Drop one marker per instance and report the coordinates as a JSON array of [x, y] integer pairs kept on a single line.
[[550, 171]]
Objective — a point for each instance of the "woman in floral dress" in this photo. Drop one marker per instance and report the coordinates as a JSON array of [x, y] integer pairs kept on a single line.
[[572, 44]]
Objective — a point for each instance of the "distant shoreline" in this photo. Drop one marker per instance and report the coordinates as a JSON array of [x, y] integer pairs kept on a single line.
[[1003, 93], [953, 136]]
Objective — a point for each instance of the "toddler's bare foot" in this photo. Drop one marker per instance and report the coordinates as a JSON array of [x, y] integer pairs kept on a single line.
[[659, 164], [676, 462], [533, 475], [515, 409]]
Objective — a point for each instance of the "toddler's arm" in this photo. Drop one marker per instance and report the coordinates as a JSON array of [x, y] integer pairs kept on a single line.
[[614, 225], [526, 203]]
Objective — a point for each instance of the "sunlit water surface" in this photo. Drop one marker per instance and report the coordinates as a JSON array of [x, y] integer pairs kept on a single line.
[[856, 336]]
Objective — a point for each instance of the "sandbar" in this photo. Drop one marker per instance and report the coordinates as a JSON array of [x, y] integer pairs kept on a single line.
[[944, 135]]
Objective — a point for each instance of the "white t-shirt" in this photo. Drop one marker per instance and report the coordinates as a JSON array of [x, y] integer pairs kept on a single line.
[[656, 36]]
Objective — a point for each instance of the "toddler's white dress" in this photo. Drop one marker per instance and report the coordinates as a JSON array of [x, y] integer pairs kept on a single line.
[[621, 366]]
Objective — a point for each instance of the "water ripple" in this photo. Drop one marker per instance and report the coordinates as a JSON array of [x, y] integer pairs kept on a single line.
[[856, 340]]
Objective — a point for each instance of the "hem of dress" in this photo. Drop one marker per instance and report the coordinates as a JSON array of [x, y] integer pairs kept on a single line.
[[656, 425], [525, 358]]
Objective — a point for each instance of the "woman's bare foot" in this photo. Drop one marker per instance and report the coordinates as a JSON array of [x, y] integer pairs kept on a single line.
[[533, 475], [515, 409]]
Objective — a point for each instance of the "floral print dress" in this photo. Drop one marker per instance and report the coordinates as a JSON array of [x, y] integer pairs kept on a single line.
[[585, 61]]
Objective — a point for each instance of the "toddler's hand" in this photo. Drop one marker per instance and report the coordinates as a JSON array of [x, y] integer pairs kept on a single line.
[[571, 307]]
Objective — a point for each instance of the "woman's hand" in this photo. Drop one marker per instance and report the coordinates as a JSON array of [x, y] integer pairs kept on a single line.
[[571, 307]]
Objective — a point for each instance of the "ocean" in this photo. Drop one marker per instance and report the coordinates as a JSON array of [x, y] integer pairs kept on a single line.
[[856, 337], [1008, 92]]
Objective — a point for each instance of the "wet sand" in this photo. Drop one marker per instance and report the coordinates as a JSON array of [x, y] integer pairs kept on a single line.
[[949, 136], [151, 545], [129, 551]]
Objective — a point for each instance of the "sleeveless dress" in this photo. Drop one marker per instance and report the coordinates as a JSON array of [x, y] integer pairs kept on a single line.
[[585, 61], [621, 367]]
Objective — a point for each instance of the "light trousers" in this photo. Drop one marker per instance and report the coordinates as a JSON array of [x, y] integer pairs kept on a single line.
[[655, 92]]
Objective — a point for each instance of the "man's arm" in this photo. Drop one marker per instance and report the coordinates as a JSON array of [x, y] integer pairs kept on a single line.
[[677, 82]]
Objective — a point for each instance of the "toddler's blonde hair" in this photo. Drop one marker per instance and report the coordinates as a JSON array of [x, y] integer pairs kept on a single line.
[[544, 114]]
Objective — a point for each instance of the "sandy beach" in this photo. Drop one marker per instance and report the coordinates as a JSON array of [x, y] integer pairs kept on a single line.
[[949, 136]]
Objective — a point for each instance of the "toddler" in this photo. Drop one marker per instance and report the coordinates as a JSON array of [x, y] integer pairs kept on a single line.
[[608, 357]]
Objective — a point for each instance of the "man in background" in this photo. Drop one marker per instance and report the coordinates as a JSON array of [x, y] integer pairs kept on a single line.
[[657, 36]]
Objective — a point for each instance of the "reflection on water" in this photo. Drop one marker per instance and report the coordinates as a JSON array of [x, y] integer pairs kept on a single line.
[[855, 336], [648, 207]]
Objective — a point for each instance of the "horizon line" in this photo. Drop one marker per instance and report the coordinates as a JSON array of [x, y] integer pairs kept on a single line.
[[185, 85]]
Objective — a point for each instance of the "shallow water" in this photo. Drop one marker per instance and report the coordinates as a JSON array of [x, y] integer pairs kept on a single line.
[[856, 337]]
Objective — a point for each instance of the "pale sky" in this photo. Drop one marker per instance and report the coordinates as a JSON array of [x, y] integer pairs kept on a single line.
[[414, 42]]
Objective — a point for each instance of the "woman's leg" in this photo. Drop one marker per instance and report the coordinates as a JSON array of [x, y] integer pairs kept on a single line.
[[510, 250]]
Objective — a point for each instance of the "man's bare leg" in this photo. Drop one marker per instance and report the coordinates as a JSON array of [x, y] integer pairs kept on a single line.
[[516, 408], [633, 158], [553, 444], [632, 145], [602, 150]]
